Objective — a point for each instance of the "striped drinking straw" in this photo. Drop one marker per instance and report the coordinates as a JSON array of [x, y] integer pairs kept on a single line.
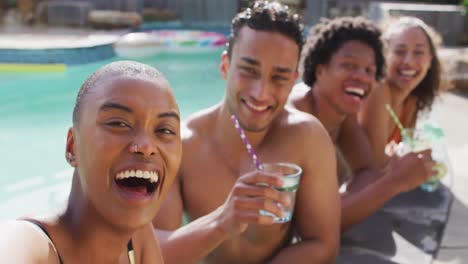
[[403, 131], [246, 143]]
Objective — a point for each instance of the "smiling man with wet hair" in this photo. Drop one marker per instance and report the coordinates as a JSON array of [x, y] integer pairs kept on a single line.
[[220, 190]]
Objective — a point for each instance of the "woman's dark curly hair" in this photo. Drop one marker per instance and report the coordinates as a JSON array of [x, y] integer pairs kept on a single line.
[[267, 16], [426, 91], [329, 35]]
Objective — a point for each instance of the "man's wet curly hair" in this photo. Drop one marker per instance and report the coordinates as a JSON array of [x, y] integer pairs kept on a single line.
[[267, 16], [329, 35]]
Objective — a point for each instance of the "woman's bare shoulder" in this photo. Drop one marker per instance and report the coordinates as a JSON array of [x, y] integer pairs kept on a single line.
[[24, 242]]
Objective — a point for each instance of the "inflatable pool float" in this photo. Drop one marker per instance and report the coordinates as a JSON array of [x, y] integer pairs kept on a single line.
[[143, 44], [19, 67]]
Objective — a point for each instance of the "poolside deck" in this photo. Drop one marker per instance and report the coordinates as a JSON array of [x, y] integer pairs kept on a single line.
[[419, 227], [414, 228], [454, 245], [46, 45], [42, 37]]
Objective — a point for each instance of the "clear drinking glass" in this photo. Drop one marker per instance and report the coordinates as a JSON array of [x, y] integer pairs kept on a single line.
[[291, 174], [427, 137]]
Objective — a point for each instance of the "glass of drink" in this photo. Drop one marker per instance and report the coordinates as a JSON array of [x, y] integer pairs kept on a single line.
[[422, 139], [291, 174]]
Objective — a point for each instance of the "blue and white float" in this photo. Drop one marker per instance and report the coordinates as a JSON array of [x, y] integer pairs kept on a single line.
[[144, 44]]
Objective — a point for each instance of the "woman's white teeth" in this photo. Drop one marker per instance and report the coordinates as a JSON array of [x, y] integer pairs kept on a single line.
[[408, 73], [256, 107], [355, 91], [150, 175]]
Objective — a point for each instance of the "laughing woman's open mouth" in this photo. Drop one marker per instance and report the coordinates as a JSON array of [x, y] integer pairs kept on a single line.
[[137, 183]]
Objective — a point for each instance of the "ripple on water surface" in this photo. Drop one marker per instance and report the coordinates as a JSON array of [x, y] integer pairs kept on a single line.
[[35, 113]]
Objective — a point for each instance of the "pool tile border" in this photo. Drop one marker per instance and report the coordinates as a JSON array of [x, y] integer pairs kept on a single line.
[[69, 56]]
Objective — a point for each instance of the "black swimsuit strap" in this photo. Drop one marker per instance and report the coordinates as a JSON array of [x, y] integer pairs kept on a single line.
[[129, 245], [36, 223]]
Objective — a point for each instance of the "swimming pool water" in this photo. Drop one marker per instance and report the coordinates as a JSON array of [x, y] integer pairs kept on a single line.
[[35, 113]]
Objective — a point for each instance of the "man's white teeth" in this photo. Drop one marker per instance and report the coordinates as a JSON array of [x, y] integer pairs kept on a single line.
[[150, 175], [356, 91], [408, 73], [256, 107]]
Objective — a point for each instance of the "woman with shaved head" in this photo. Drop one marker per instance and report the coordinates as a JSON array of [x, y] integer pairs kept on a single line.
[[125, 148]]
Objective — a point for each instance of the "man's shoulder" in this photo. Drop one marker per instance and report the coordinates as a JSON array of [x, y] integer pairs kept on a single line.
[[197, 124], [301, 129], [299, 90], [300, 121], [301, 98]]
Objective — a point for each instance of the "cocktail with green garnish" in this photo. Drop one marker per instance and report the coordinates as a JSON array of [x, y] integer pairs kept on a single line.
[[427, 137]]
